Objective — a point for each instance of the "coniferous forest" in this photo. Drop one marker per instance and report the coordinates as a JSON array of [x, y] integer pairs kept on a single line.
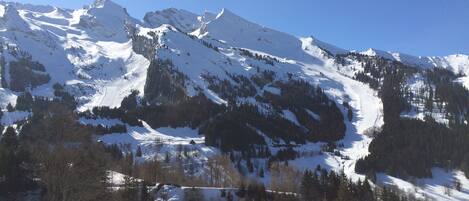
[[409, 148], [72, 166]]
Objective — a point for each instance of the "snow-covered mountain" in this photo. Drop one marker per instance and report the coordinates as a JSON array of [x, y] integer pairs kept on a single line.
[[101, 54], [457, 63], [183, 20], [82, 42]]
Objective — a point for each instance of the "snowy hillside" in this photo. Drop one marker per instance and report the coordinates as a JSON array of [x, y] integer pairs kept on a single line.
[[458, 63], [101, 55]]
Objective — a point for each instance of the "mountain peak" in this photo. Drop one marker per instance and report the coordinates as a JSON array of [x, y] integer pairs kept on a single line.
[[104, 3], [376, 52], [332, 49], [208, 16], [9, 10], [242, 33], [109, 5], [11, 18], [179, 18], [227, 14], [107, 18]]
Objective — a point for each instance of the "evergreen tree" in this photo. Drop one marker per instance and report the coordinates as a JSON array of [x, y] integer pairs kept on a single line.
[[10, 108], [241, 190], [343, 192], [11, 157], [9, 139], [130, 102], [139, 152], [307, 187], [261, 172], [24, 102]]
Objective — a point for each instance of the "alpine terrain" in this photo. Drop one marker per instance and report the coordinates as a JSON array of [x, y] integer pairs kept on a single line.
[[98, 105]]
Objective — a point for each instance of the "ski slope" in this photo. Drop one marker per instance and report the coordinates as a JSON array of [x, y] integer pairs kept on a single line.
[[367, 107]]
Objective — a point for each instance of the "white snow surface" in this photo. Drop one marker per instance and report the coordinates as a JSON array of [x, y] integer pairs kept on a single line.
[[117, 179], [287, 114], [100, 121], [10, 118], [181, 19], [6, 97], [457, 63], [321, 46], [440, 187], [174, 193], [239, 32], [162, 139]]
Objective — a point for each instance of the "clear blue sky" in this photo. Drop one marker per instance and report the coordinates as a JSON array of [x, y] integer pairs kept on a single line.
[[419, 27]]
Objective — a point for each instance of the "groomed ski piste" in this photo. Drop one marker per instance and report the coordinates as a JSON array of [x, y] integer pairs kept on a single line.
[[93, 57]]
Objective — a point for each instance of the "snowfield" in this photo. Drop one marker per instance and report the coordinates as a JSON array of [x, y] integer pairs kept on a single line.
[[156, 142], [367, 108]]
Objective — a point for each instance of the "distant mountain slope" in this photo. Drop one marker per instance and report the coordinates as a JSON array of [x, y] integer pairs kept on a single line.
[[457, 63]]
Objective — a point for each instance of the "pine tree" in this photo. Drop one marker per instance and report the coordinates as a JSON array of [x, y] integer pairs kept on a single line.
[[10, 108], [249, 165], [139, 152], [350, 114], [366, 192], [24, 102], [343, 193], [10, 166], [130, 102], [9, 139], [306, 188], [241, 190], [167, 157]]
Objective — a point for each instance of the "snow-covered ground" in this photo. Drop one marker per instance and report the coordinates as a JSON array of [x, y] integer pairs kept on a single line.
[[368, 114], [90, 47], [161, 141], [441, 187], [173, 193], [100, 121], [117, 179], [367, 107], [457, 63], [6, 97], [10, 118]]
